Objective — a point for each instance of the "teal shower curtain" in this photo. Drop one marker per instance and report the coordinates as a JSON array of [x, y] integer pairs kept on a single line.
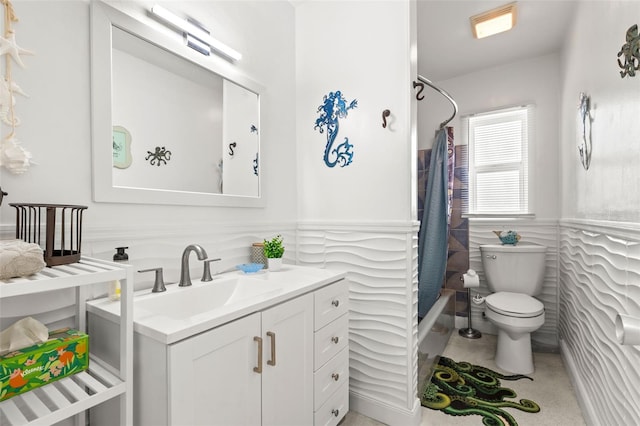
[[434, 228]]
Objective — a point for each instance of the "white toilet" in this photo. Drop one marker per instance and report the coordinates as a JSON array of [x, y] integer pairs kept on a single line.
[[514, 274]]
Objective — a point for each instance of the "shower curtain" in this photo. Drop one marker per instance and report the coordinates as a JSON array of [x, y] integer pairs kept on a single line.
[[434, 228]]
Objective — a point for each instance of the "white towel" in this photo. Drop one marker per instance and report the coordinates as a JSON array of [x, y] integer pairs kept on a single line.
[[19, 259]]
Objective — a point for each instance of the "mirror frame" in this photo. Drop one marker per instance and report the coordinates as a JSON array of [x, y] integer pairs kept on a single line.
[[103, 19]]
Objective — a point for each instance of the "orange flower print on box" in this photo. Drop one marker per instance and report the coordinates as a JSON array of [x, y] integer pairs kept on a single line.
[[16, 380], [65, 357]]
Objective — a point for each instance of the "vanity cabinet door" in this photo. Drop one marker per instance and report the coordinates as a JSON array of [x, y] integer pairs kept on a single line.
[[211, 376], [287, 386]]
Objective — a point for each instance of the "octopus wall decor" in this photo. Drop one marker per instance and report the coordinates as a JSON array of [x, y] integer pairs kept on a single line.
[[630, 51], [159, 156], [335, 107]]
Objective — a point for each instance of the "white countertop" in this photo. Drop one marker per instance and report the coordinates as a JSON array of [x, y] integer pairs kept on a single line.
[[166, 326]]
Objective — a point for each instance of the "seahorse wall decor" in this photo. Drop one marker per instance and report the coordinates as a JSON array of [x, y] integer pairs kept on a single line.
[[335, 107]]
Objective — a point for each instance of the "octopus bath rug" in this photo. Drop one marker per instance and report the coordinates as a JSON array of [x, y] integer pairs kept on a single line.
[[464, 389]]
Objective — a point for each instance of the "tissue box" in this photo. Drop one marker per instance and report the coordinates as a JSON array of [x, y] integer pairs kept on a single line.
[[65, 353]]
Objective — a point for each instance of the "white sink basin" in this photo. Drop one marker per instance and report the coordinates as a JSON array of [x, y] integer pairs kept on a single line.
[[181, 312], [186, 302]]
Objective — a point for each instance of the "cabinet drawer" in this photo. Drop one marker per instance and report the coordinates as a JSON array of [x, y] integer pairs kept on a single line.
[[330, 377], [330, 340], [330, 303], [331, 412]]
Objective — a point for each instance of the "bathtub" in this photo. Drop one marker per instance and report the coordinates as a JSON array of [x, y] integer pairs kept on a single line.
[[433, 335]]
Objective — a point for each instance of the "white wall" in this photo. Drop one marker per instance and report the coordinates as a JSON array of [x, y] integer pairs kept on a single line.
[[600, 230], [363, 50], [535, 81], [609, 189], [56, 118], [361, 218]]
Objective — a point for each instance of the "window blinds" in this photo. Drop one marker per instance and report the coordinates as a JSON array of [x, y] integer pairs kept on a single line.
[[498, 162]]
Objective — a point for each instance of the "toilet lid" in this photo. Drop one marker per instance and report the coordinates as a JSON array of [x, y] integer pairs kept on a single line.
[[514, 304]]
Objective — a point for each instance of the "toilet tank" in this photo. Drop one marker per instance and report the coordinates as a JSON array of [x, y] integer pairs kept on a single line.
[[517, 268]]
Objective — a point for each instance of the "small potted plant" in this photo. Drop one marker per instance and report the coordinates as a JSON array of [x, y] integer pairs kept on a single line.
[[273, 251]]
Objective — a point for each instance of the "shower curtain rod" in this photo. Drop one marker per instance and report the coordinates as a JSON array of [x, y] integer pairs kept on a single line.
[[443, 93]]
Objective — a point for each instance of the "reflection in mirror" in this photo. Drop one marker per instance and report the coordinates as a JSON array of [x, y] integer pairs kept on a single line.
[[191, 129]]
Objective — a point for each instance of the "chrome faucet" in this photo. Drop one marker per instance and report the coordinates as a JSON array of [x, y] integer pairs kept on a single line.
[[185, 276]]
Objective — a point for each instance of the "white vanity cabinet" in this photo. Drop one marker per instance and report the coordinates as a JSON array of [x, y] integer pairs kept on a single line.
[[331, 358], [255, 370], [279, 359]]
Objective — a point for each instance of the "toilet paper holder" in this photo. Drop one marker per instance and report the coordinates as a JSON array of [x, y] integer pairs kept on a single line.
[[471, 281], [627, 329]]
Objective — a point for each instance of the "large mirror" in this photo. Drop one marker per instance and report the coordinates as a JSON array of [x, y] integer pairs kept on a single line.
[[169, 125]]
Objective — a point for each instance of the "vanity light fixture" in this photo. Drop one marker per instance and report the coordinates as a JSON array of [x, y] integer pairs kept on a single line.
[[494, 21], [193, 32]]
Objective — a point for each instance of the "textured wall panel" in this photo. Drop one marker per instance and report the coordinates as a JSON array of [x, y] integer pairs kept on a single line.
[[599, 278], [539, 232], [383, 304], [150, 247]]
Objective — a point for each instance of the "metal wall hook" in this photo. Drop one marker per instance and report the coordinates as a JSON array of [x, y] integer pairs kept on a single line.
[[419, 95], [386, 113], [231, 146]]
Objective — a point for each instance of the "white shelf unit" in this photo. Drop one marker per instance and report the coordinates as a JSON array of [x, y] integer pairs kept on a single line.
[[100, 382]]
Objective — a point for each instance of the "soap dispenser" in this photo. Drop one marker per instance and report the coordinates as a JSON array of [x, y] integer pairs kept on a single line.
[[114, 287]]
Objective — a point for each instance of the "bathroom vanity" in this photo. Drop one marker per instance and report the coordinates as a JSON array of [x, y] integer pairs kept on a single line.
[[268, 348]]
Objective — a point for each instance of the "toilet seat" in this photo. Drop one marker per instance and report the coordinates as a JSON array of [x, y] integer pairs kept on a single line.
[[514, 304]]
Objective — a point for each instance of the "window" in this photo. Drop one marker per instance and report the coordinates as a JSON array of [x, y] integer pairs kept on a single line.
[[498, 162]]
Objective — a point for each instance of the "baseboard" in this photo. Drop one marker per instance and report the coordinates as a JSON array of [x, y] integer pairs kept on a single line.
[[384, 413], [588, 414]]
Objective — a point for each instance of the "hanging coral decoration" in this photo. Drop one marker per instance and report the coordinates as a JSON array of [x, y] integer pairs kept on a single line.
[[13, 157]]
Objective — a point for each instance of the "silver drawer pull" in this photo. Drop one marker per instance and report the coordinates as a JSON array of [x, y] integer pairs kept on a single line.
[[335, 376], [335, 412], [491, 256], [335, 303], [335, 339]]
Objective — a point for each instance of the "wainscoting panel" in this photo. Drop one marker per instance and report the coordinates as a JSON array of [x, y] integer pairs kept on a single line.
[[539, 232], [383, 306], [599, 278]]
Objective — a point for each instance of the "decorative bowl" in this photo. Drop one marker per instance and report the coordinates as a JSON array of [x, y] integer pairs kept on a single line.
[[508, 237], [250, 268]]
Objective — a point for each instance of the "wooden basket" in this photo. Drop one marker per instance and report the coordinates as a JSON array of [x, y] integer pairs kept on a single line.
[[62, 230]]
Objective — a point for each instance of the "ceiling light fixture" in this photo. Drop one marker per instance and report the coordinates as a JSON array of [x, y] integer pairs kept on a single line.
[[193, 31], [494, 21]]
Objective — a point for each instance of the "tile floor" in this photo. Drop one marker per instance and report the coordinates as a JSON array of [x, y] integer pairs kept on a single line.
[[551, 388]]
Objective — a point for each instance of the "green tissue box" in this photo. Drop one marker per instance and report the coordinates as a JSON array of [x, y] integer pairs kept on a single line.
[[65, 353]]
